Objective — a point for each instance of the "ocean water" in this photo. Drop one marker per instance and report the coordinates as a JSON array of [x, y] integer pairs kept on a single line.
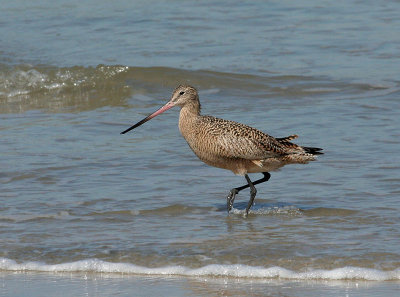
[[100, 213]]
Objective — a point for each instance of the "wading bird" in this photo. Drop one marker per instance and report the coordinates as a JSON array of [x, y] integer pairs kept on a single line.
[[231, 145]]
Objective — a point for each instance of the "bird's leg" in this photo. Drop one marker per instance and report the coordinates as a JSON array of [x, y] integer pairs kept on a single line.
[[258, 181], [234, 191], [253, 192]]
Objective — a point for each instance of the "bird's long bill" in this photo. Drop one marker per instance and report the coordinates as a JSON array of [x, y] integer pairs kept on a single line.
[[149, 117]]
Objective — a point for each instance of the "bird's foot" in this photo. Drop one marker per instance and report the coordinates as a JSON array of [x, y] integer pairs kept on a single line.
[[230, 199]]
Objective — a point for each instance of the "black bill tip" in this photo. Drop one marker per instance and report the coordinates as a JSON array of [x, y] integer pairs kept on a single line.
[[136, 125]]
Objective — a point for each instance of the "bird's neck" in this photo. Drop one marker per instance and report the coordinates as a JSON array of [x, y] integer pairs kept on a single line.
[[187, 118], [191, 109]]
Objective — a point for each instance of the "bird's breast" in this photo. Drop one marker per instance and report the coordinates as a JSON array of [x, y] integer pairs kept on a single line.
[[205, 146]]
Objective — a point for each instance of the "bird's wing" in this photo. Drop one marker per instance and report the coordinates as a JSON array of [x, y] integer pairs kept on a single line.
[[235, 140]]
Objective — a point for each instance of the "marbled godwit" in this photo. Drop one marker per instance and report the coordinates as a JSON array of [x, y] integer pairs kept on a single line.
[[231, 145]]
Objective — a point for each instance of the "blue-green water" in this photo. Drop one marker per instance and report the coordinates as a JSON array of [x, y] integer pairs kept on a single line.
[[73, 189]]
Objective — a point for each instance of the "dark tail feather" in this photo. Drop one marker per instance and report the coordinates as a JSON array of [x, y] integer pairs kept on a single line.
[[313, 150]]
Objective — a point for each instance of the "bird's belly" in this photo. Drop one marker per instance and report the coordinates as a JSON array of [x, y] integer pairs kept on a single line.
[[236, 165], [242, 166]]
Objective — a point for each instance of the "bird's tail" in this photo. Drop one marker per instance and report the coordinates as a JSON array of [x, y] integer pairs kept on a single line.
[[313, 150]]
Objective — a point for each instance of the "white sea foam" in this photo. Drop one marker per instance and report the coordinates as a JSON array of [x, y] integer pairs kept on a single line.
[[238, 270]]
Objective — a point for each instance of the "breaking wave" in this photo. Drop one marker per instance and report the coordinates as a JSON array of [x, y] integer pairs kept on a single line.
[[26, 87], [214, 270]]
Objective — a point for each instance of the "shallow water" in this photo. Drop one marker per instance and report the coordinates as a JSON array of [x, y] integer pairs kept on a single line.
[[73, 189]]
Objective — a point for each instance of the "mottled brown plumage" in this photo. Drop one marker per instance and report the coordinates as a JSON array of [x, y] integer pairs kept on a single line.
[[231, 145]]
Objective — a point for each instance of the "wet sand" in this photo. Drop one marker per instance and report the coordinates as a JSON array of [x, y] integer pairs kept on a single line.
[[76, 284]]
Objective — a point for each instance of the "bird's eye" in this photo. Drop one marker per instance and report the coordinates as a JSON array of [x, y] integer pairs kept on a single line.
[[181, 92]]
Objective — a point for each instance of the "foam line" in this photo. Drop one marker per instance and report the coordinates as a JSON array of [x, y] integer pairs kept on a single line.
[[237, 270]]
